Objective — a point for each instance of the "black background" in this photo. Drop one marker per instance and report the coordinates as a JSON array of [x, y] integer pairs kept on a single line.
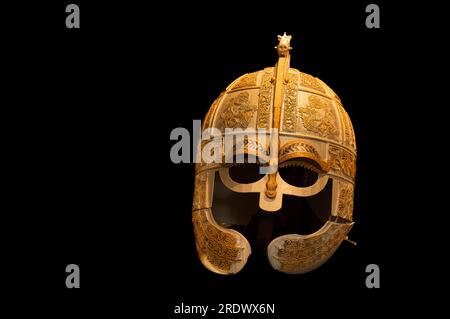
[[92, 111]]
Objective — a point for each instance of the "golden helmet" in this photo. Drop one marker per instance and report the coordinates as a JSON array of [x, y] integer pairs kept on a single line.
[[292, 130]]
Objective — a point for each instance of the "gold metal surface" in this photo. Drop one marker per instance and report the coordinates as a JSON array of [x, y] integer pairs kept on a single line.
[[281, 79], [298, 254], [313, 129], [265, 99]]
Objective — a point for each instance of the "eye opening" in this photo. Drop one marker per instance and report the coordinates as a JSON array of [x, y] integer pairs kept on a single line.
[[247, 172], [300, 172]]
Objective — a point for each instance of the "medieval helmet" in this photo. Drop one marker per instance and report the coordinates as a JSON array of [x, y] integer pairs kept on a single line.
[[300, 209]]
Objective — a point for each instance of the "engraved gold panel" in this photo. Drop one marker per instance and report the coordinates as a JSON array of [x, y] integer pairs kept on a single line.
[[300, 149], [202, 197], [342, 162], [349, 135], [318, 117], [290, 102], [207, 122], [265, 100], [310, 82], [345, 200], [237, 111], [298, 254], [248, 80], [221, 250]]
